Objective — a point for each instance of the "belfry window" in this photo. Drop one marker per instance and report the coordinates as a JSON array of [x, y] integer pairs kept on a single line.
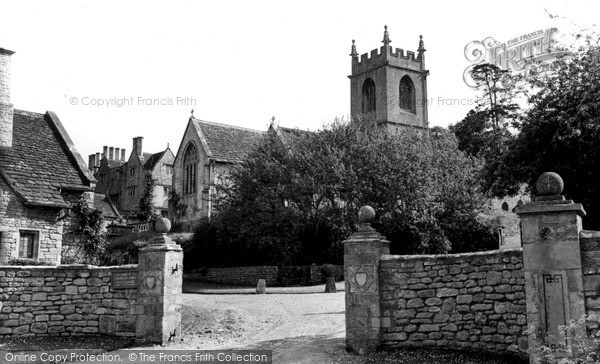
[[407, 95], [368, 96]]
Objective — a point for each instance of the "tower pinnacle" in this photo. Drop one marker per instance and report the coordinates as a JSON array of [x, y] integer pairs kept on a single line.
[[421, 45], [353, 52], [386, 36]]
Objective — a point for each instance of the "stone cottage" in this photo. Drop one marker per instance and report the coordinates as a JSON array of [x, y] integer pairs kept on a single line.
[[124, 181], [41, 176]]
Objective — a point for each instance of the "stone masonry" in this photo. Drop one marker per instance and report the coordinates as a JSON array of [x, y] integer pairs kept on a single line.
[[15, 216], [551, 226], [363, 304], [499, 301], [139, 301], [461, 300], [65, 300]]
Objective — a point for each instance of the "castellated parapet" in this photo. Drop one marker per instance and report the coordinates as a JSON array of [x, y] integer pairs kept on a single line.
[[385, 55]]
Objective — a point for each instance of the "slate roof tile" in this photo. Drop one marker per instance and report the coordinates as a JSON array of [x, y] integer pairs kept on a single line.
[[39, 163], [228, 143]]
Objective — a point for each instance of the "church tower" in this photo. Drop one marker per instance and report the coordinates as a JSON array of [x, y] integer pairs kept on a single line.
[[390, 86]]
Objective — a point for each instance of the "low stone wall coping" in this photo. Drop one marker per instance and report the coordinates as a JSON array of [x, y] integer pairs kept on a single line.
[[589, 234], [67, 267], [451, 256]]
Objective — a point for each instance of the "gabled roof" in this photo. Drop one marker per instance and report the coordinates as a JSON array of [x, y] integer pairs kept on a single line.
[[105, 204], [226, 143], [43, 161], [152, 160]]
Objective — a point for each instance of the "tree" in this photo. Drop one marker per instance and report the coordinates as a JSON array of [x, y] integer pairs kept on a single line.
[[90, 243], [293, 201], [560, 131], [485, 131], [177, 209], [146, 209], [498, 89]]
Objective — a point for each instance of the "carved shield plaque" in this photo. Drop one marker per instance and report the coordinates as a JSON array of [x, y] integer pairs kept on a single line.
[[150, 283], [361, 278]]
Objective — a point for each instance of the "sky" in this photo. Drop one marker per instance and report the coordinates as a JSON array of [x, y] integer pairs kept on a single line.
[[114, 70]]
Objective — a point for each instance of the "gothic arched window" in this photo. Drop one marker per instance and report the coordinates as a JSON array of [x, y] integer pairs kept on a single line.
[[407, 94], [190, 161], [368, 96]]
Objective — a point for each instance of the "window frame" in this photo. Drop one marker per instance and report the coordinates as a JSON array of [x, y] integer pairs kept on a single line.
[[35, 243]]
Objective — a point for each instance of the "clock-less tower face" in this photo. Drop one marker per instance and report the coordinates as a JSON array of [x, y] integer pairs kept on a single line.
[[390, 87]]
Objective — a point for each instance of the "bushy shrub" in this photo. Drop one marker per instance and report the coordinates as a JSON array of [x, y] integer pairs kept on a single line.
[[582, 345], [329, 270], [28, 261]]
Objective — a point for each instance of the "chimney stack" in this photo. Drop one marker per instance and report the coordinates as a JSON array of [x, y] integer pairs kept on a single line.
[[105, 152], [123, 154], [6, 108], [137, 145], [97, 163], [117, 153], [91, 162], [111, 153]]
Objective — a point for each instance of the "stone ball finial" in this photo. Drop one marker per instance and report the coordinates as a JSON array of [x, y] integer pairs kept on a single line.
[[366, 215], [162, 225], [549, 184]]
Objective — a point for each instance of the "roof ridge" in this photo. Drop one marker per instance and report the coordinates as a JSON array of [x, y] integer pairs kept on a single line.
[[228, 126], [292, 128], [28, 113]]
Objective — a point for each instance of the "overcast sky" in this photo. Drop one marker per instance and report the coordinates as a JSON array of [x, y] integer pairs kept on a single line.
[[239, 62]]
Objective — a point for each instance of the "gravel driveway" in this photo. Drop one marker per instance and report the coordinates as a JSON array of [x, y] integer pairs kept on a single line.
[[299, 328]]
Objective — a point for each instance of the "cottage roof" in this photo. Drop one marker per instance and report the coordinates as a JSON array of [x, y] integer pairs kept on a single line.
[[43, 160]]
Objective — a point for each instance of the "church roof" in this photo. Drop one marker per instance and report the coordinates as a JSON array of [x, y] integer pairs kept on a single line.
[[43, 161], [289, 134], [227, 143]]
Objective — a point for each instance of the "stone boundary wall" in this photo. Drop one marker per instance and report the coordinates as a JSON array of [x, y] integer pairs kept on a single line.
[[317, 277], [274, 276], [589, 242], [239, 276], [471, 300], [66, 300]]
